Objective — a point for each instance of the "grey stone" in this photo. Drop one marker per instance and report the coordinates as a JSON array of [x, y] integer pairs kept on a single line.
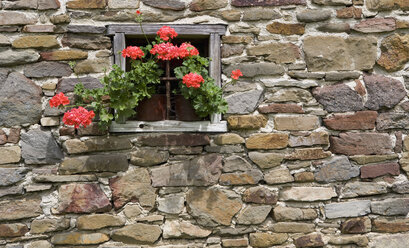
[[137, 234], [383, 91], [20, 209], [401, 188], [149, 157], [244, 28], [313, 15], [392, 120], [97, 144], [256, 69], [335, 27], [306, 75], [47, 69], [278, 176], [355, 189], [257, 14], [67, 84], [230, 50], [266, 160], [86, 29], [337, 169], [244, 102], [64, 178], [390, 240], [253, 214], [17, 18], [48, 4], [52, 111], [20, 100], [233, 231], [183, 229], [290, 95], [14, 190], [91, 42], [338, 98], [171, 204], [200, 171], [290, 83], [339, 76], [11, 57], [20, 4], [236, 163], [333, 2], [307, 194], [9, 176], [347, 209], [399, 206], [39, 147], [241, 178], [224, 149], [166, 4], [40, 244]]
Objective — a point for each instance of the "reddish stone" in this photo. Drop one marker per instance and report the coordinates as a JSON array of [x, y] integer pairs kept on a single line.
[[376, 25], [356, 225], [175, 140], [260, 195], [86, 4], [82, 198], [12, 230], [248, 3], [286, 28], [383, 91], [281, 108], [350, 12], [372, 171], [67, 131], [359, 121], [359, 87], [390, 226], [3, 137], [48, 4], [14, 135], [361, 143], [312, 240]]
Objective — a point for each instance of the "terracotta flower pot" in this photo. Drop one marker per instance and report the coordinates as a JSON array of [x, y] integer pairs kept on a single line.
[[184, 109], [152, 109]]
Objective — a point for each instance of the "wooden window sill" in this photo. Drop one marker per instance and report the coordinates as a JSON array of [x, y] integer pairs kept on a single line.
[[168, 126]]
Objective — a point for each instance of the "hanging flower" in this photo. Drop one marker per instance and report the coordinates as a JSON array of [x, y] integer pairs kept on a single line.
[[165, 51], [193, 80], [133, 52], [186, 49], [78, 116], [138, 12], [166, 33], [59, 99], [236, 74]]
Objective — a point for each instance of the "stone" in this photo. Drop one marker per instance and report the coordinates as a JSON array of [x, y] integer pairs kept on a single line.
[[185, 150], [121, 4], [267, 239], [313, 15], [20, 209], [292, 227], [151, 219], [10, 57], [231, 15], [62, 178], [137, 234], [338, 98], [174, 140], [78, 238], [133, 186], [293, 214], [199, 171], [305, 176], [183, 229], [67, 131], [356, 225], [10, 154], [92, 66], [225, 204], [161, 4], [228, 139], [390, 240], [12, 230], [40, 147], [40, 244], [355, 189], [171, 204], [307, 194], [253, 214], [394, 53], [258, 14], [10, 176], [286, 28], [233, 231], [290, 95], [260, 195], [82, 198], [398, 206], [17, 18], [251, 3], [86, 4], [361, 120], [281, 108], [149, 157], [278, 176], [91, 42], [231, 50], [39, 28], [3, 137], [277, 52], [309, 139], [246, 121], [48, 4], [67, 84], [25, 106], [350, 240], [347, 209], [243, 242], [50, 121], [308, 154], [386, 5], [266, 160], [244, 28], [404, 162], [336, 169], [256, 69], [332, 2], [361, 143], [243, 102], [267, 141], [86, 29], [312, 240], [401, 188], [383, 91], [201, 5], [306, 75], [47, 69], [14, 135], [241, 178], [224, 149], [339, 76], [352, 53], [21, 4], [14, 190], [362, 159], [68, 55], [377, 170], [390, 225], [36, 41], [98, 221], [61, 18], [237, 39], [132, 211], [296, 123], [386, 121], [97, 144], [376, 25], [39, 226], [351, 12]]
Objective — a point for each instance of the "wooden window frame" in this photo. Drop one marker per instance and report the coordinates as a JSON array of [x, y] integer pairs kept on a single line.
[[214, 32]]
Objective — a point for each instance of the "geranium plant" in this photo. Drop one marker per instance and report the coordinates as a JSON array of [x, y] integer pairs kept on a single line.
[[123, 91]]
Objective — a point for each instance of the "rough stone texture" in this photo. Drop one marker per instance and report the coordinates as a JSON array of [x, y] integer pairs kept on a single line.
[[401, 188], [171, 5], [75, 146], [386, 121], [247, 121], [16, 18], [296, 123], [338, 98], [10, 176], [253, 214], [290, 95], [10, 154], [372, 171], [212, 206], [309, 139], [256, 69], [266, 160], [248, 3], [77, 238], [133, 186], [48, 4], [362, 159], [92, 66], [40, 147], [281, 108], [148, 157], [267, 141], [201, 5], [355, 189], [383, 91], [293, 214], [171, 204], [82, 198], [174, 140], [137, 234], [277, 176], [308, 154], [68, 55], [376, 25], [36, 41], [86, 41], [285, 28], [390, 225], [356, 225], [292, 227], [277, 52], [386, 5], [183, 229], [241, 178], [397, 240], [86, 4], [305, 176], [49, 225], [313, 15], [20, 209], [12, 230], [228, 139], [47, 69], [337, 169], [399, 206], [307, 194], [312, 240], [361, 120], [260, 195], [361, 143], [350, 12], [67, 84], [335, 27], [395, 53], [350, 240], [347, 209], [267, 239], [98, 221], [243, 102], [10, 57]]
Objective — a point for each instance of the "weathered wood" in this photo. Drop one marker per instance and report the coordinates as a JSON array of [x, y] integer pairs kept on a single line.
[[181, 29], [119, 45], [169, 126], [215, 65]]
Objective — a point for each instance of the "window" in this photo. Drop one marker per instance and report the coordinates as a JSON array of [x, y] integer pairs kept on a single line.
[[204, 37]]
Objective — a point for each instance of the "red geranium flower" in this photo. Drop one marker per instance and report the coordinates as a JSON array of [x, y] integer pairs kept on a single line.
[[236, 74], [78, 116], [193, 80], [165, 51], [186, 50], [59, 99], [133, 52], [166, 33], [138, 12]]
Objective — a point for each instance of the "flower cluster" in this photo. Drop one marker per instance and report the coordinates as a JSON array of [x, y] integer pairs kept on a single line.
[[78, 116], [193, 80], [186, 50], [133, 52], [166, 33], [59, 99], [165, 51], [236, 74]]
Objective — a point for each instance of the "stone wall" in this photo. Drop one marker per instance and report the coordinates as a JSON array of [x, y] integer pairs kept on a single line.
[[317, 154]]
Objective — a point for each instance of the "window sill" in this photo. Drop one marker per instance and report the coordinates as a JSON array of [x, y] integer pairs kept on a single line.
[[168, 126]]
